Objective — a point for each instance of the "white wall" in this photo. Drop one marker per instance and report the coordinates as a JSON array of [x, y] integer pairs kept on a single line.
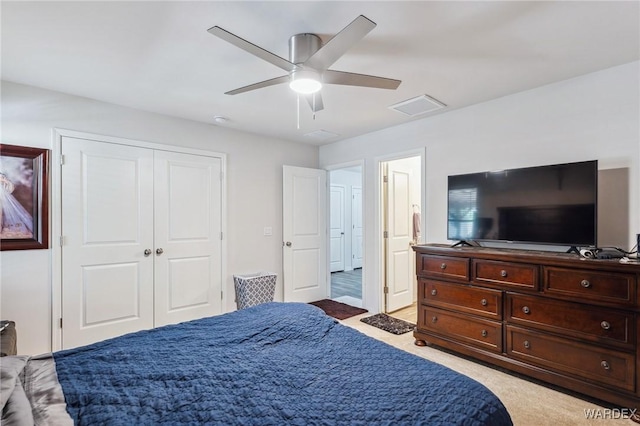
[[595, 116], [254, 191]]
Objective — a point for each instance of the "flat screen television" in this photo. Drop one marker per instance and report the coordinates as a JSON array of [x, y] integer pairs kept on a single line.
[[554, 204]]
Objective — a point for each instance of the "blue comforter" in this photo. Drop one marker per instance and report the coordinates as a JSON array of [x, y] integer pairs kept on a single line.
[[273, 364]]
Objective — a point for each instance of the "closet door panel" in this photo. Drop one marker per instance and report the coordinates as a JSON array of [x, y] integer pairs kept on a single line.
[[188, 280], [107, 223]]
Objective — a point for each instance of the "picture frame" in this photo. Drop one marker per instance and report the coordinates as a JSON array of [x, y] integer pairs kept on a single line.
[[24, 198]]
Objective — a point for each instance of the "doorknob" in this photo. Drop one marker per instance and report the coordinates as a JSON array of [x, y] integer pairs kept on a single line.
[[288, 244], [159, 251], [147, 252]]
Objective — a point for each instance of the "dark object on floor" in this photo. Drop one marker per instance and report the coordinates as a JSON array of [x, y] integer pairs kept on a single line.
[[390, 324], [8, 338], [338, 310]]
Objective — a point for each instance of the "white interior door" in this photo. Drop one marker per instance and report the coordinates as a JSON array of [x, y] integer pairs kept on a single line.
[[304, 234], [336, 228], [356, 225], [399, 255], [107, 224], [187, 252]]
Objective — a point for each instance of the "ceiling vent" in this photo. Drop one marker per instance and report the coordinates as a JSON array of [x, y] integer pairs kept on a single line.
[[418, 105], [321, 135]]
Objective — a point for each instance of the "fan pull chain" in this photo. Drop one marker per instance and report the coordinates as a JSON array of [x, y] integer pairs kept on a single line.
[[314, 106]]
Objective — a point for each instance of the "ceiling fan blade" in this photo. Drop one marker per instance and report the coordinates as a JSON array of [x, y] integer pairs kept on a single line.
[[340, 43], [315, 104], [351, 79], [252, 48], [260, 85]]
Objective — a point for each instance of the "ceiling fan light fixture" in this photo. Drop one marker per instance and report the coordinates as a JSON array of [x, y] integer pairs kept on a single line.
[[305, 82]]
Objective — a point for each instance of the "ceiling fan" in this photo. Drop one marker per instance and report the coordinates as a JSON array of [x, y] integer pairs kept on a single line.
[[309, 62]]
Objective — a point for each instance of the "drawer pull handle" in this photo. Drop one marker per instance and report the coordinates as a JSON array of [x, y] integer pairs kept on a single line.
[[484, 333], [434, 292], [484, 302], [503, 273], [443, 266], [605, 365], [434, 319], [527, 345], [526, 309], [605, 325], [585, 283]]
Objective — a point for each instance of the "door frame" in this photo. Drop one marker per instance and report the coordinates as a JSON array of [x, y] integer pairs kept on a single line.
[[56, 214], [339, 166], [361, 219], [378, 239]]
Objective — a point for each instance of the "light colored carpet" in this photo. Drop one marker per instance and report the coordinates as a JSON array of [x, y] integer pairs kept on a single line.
[[528, 403]]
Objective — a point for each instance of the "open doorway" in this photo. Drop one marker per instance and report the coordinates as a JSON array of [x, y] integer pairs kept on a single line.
[[346, 234], [401, 213]]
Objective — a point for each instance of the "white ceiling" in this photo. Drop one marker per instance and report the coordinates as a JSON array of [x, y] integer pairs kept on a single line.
[[158, 56]]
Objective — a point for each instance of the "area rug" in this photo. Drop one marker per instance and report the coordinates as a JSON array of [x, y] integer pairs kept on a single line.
[[338, 310], [390, 324]]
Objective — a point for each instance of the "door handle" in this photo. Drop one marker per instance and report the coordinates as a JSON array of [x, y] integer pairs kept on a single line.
[[288, 244], [147, 252], [159, 251]]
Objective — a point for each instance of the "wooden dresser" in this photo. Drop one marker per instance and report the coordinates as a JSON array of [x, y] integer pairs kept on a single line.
[[555, 317]]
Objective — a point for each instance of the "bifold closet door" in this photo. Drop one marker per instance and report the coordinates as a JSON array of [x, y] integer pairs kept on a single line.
[[188, 280], [107, 224], [141, 239]]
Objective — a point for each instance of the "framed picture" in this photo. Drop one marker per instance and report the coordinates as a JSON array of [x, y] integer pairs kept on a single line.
[[24, 198]]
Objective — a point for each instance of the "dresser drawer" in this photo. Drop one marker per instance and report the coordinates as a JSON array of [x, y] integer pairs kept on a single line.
[[462, 328], [506, 274], [585, 361], [580, 284], [443, 266], [588, 322], [460, 297]]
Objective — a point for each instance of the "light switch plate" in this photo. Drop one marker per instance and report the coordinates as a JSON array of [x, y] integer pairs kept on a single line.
[[268, 231]]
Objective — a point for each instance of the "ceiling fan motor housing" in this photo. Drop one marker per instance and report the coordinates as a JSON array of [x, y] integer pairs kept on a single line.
[[302, 46]]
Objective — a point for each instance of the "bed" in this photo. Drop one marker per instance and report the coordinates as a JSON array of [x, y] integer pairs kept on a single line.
[[272, 364]]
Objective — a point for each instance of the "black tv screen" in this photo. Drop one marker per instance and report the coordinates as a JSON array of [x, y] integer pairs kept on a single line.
[[553, 204]]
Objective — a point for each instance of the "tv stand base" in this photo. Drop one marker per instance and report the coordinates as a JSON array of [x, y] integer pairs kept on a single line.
[[573, 249], [462, 243]]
